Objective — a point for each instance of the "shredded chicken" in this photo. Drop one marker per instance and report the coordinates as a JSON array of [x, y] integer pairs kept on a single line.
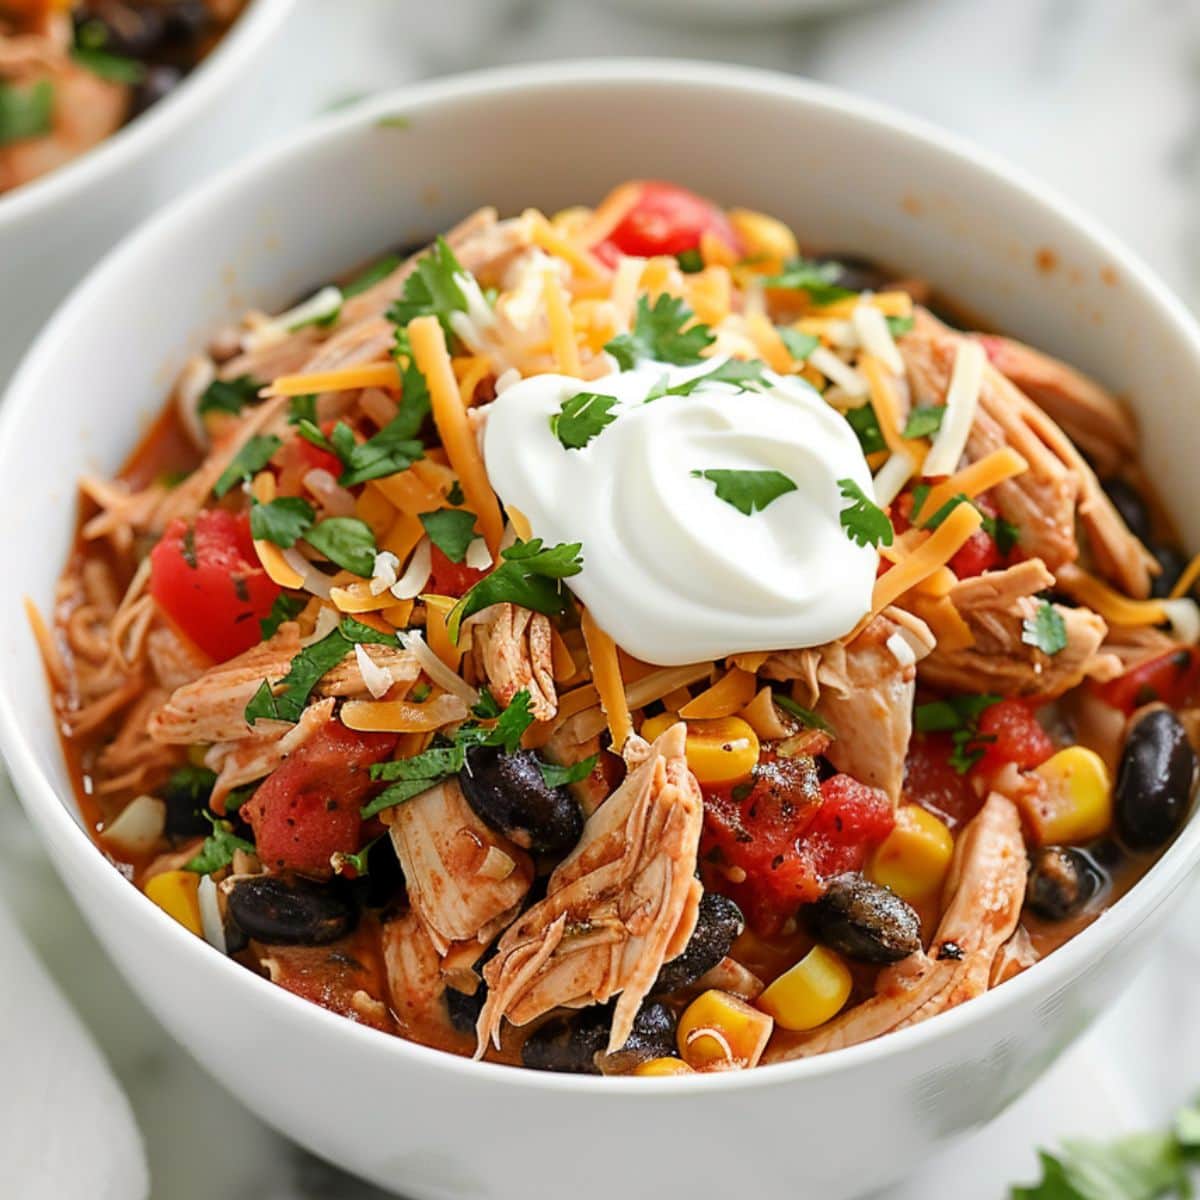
[[414, 971], [619, 906], [511, 646], [995, 606], [448, 855], [985, 891]]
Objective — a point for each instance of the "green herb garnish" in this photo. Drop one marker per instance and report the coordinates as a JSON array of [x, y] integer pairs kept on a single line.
[[375, 273], [26, 112], [658, 333], [864, 521], [346, 541], [581, 418], [284, 608], [431, 290], [805, 716], [865, 424], [252, 457], [747, 491], [554, 775], [218, 849], [924, 421], [451, 530], [817, 279], [228, 395], [1046, 629], [959, 717], [799, 345], [283, 521]]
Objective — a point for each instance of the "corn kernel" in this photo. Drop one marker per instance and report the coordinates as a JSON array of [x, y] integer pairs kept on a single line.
[[718, 1031], [663, 1066], [762, 236], [913, 859], [719, 751], [175, 892], [810, 993], [1074, 803]]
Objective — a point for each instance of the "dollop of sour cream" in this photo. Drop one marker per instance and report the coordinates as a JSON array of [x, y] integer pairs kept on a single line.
[[671, 571]]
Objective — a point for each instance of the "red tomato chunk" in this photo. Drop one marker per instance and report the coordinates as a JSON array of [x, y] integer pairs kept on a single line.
[[448, 578], [774, 848], [666, 220], [308, 808], [1013, 735], [207, 579], [1173, 678]]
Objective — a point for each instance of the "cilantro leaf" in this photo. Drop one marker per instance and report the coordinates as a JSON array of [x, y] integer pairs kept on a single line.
[[1004, 533], [282, 521], [658, 333], [817, 279], [554, 775], [455, 494], [375, 273], [302, 409], [115, 68], [799, 345], [935, 520], [805, 716], [306, 669], [865, 424], [391, 450], [26, 112], [898, 326], [228, 395], [690, 261], [218, 849], [432, 289], [582, 417], [1139, 1166], [451, 530], [864, 521], [1046, 629], [284, 608], [511, 724], [924, 420], [744, 374], [747, 491], [958, 716], [252, 457], [356, 862], [346, 541], [529, 575]]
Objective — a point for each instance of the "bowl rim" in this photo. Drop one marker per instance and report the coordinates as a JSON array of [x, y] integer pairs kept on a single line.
[[146, 132], [51, 815]]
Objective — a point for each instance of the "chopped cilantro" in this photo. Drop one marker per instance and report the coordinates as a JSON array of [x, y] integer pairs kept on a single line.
[[798, 345], [391, 450], [432, 289], [487, 706], [864, 521], [455, 494], [342, 861], [375, 273], [1046, 629], [817, 279], [959, 717], [690, 261], [898, 326], [554, 775], [658, 333], [451, 530], [529, 574], [284, 608], [581, 418], [924, 420], [282, 521], [115, 68], [228, 395], [26, 112], [865, 424], [218, 849], [346, 541], [1004, 533], [302, 409], [805, 716], [744, 374], [252, 457], [747, 491]]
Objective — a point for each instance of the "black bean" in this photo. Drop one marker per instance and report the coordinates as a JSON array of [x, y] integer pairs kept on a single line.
[[1127, 500], [571, 1043], [464, 1009], [187, 21], [158, 83], [1154, 785], [718, 923], [285, 910], [384, 881], [508, 792], [1172, 560], [186, 795], [864, 921], [1062, 881]]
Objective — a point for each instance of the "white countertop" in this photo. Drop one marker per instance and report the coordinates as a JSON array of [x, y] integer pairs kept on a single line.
[[1101, 98]]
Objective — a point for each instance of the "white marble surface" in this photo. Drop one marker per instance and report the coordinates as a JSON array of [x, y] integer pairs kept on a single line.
[[1099, 97]]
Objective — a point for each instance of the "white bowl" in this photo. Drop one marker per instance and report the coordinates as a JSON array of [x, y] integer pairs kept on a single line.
[[848, 177], [53, 229]]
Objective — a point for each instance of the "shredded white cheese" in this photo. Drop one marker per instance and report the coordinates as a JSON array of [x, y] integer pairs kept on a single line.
[[892, 476], [450, 681], [197, 374], [325, 305], [313, 580], [1184, 615], [383, 573], [210, 914], [876, 338], [839, 372], [623, 293], [416, 575], [962, 396], [902, 652], [326, 623], [505, 380], [478, 558], [376, 678]]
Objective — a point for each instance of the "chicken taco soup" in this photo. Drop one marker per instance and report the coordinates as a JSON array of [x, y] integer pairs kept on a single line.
[[619, 642]]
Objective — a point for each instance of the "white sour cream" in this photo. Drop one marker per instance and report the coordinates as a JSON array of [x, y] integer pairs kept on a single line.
[[673, 573]]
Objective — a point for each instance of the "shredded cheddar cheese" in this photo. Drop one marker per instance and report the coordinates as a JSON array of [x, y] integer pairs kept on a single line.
[[975, 479], [606, 675], [345, 379], [562, 330], [731, 693]]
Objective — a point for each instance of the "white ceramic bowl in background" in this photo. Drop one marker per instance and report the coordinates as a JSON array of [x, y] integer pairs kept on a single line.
[[848, 177], [53, 229]]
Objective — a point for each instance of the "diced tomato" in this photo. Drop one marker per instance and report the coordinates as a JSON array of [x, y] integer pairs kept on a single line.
[[979, 553], [1173, 678], [787, 836], [308, 808], [448, 578], [1013, 735], [933, 783], [314, 458], [207, 579], [666, 220]]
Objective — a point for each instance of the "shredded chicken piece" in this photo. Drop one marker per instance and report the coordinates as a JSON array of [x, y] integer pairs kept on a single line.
[[1016, 955], [620, 905], [173, 661], [414, 971], [1091, 417], [995, 606], [511, 648], [867, 696], [986, 891], [443, 846]]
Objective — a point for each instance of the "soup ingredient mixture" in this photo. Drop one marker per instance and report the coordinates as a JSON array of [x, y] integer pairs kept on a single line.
[[617, 642]]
